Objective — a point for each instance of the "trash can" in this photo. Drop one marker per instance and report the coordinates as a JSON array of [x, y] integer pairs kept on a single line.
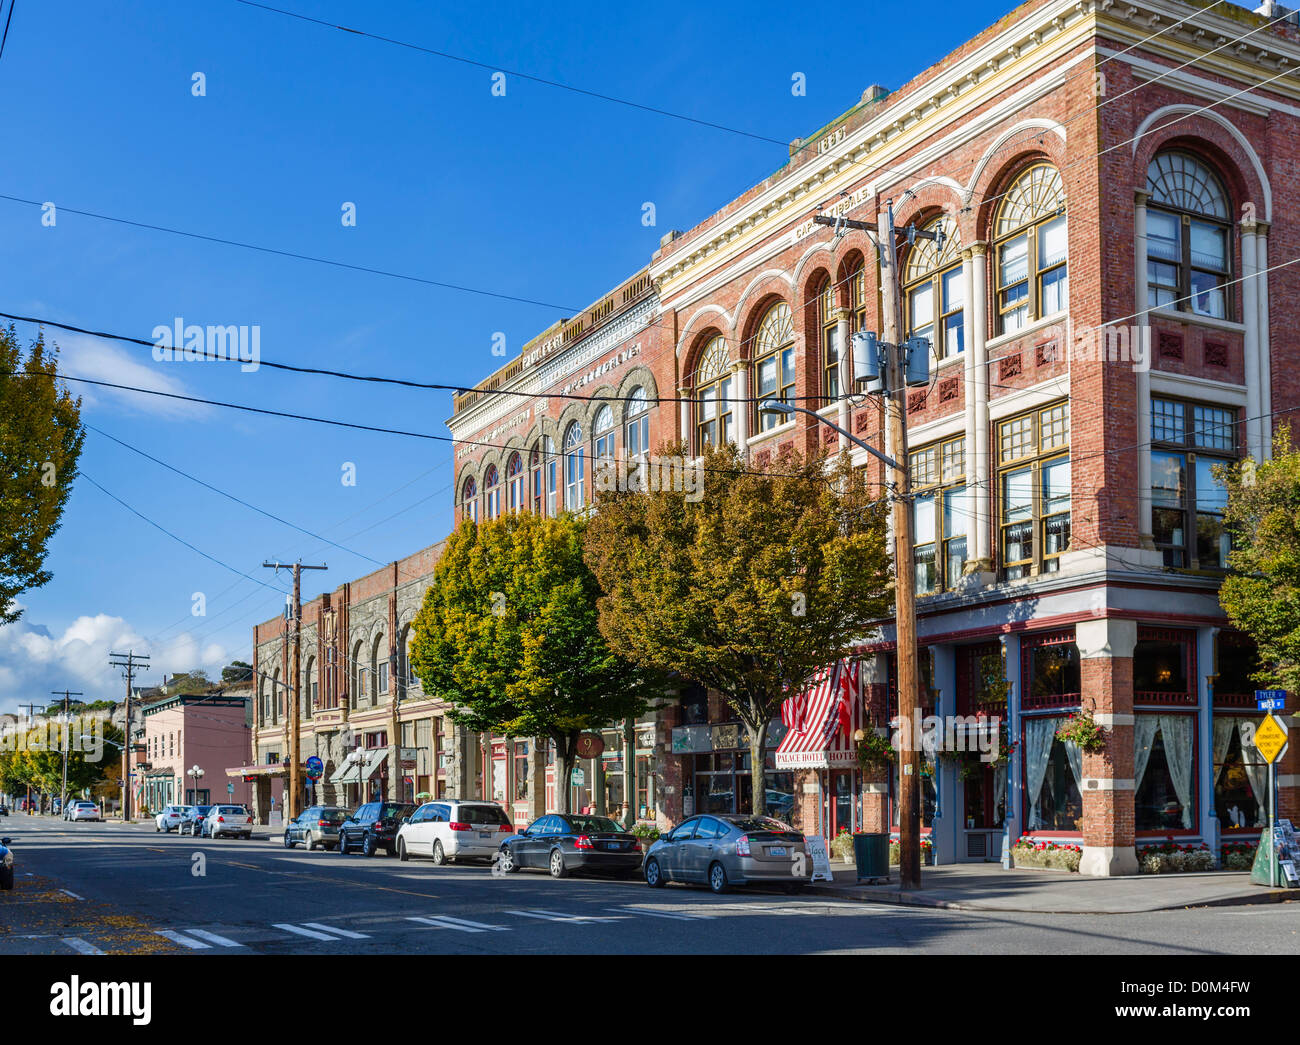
[[871, 853]]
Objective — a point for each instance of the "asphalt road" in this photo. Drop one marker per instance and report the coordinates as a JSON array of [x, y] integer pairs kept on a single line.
[[115, 889]]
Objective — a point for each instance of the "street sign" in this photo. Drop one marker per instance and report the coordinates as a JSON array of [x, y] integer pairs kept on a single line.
[[579, 777], [230, 789], [315, 768], [1270, 699], [1270, 738]]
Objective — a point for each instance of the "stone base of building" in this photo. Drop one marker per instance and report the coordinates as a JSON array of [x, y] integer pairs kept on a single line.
[[1101, 861]]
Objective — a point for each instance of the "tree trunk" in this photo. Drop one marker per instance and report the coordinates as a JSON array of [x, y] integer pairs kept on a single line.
[[564, 759], [757, 771]]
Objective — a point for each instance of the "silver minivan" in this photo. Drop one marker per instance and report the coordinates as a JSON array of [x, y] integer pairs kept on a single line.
[[723, 850]]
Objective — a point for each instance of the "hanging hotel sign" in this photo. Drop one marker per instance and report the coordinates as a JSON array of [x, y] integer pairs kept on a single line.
[[590, 745]]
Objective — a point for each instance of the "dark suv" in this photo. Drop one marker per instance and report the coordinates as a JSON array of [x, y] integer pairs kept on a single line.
[[374, 826]]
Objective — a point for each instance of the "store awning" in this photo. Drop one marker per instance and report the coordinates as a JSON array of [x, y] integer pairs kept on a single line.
[[359, 766], [266, 769], [817, 737]]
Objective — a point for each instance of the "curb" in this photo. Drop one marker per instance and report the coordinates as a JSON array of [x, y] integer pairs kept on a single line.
[[902, 899]]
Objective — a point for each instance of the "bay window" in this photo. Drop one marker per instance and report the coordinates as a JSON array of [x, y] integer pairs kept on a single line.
[[1032, 250], [1034, 491], [1188, 442]]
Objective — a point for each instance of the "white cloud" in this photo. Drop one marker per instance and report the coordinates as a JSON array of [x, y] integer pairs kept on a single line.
[[34, 660], [89, 357]]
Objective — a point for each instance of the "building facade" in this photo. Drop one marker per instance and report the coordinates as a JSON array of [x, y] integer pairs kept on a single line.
[[178, 733], [1106, 313]]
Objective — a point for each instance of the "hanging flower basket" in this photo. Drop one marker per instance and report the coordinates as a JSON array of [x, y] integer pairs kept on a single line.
[[1084, 732], [875, 753]]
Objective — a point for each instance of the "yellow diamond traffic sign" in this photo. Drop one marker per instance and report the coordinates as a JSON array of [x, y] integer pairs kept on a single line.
[[1270, 738]]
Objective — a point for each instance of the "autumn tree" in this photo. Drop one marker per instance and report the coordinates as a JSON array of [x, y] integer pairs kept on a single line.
[[1261, 594], [40, 444], [748, 586], [507, 635]]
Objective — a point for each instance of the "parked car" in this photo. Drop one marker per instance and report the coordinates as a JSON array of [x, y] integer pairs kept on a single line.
[[6, 865], [83, 809], [374, 826], [170, 818], [722, 851], [318, 825], [450, 829], [227, 820], [4, 809], [193, 822], [566, 843]]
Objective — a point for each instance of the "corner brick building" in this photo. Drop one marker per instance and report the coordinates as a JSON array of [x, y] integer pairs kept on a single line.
[[1107, 316]]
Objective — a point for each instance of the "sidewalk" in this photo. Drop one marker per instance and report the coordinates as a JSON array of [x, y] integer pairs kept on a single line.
[[987, 887]]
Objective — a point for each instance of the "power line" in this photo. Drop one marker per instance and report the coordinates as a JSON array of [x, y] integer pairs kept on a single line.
[[4, 39]]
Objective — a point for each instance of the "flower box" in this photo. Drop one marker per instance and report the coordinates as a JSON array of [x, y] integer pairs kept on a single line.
[[1046, 856], [1170, 858]]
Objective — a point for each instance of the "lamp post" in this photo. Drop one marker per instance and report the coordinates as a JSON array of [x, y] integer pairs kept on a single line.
[[197, 773]]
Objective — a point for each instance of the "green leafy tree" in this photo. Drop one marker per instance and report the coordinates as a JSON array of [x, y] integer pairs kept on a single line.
[[507, 634], [40, 444], [1261, 594], [187, 682], [763, 580], [236, 671]]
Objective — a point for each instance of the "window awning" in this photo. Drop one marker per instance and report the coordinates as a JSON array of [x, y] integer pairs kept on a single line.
[[817, 737], [359, 766]]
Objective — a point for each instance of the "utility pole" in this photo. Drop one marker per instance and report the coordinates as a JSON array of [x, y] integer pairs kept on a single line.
[[67, 743], [899, 363], [295, 719], [31, 715], [129, 660]]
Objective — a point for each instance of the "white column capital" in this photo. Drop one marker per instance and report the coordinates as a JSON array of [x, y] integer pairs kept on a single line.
[[1105, 637]]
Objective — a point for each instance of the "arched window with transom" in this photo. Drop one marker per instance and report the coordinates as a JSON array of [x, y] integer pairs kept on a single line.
[[492, 493], [575, 468], [636, 429], [1189, 228], [829, 341], [604, 432], [545, 470], [714, 419], [469, 500], [1030, 241], [773, 362], [515, 499], [935, 291]]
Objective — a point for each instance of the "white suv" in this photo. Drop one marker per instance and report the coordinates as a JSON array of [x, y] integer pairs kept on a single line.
[[228, 820], [82, 810], [170, 818], [450, 829]]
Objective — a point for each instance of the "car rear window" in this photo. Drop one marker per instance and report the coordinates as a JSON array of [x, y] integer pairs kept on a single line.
[[333, 816], [394, 809], [601, 825], [232, 810], [481, 815], [760, 823]]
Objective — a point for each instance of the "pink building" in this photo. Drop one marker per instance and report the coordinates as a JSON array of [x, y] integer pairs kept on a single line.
[[210, 731]]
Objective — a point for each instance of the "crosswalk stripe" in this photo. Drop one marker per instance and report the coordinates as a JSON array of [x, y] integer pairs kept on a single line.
[[347, 933], [220, 941], [81, 946], [462, 924], [183, 940], [677, 916], [557, 916], [303, 932]]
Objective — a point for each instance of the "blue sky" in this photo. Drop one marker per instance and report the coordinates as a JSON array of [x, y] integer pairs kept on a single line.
[[537, 194]]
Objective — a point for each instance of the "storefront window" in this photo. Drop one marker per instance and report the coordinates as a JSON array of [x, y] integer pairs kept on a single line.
[[929, 793], [521, 770], [1160, 663], [1163, 767], [1052, 674], [1240, 776], [1053, 774]]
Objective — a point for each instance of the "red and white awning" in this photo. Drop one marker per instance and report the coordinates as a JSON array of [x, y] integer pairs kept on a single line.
[[822, 720]]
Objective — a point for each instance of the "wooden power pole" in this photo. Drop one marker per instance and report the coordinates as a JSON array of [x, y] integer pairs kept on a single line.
[[128, 661], [66, 741], [295, 685]]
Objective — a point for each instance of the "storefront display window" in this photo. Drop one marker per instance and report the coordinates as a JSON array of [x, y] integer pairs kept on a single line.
[[1053, 775], [929, 793], [1240, 776], [1164, 769]]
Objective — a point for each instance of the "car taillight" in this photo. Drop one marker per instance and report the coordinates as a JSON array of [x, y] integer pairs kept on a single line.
[[319, 823], [377, 824], [221, 819], [457, 826], [506, 829], [583, 842], [742, 845], [636, 846]]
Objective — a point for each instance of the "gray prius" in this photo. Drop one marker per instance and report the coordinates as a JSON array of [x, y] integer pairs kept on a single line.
[[723, 850]]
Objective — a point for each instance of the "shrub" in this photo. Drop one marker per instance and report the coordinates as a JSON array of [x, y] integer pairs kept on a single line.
[[1170, 858]]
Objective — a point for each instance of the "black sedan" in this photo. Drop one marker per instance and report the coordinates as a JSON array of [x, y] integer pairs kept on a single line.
[[6, 865], [566, 843], [193, 822]]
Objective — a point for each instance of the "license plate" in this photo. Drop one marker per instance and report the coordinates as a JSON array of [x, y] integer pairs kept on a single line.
[[776, 850], [485, 834]]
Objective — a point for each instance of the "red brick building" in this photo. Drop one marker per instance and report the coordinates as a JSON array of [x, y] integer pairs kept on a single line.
[[1113, 181]]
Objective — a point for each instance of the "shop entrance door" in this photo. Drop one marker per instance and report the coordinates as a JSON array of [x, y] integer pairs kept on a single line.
[[984, 809], [841, 801]]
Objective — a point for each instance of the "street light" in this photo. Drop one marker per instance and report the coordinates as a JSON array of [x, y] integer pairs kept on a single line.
[[197, 773], [775, 406]]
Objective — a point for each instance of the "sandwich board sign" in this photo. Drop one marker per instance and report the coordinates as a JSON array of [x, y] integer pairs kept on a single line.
[[816, 846]]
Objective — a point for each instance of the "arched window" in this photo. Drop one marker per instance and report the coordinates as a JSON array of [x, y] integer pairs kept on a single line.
[[545, 469], [405, 680], [1188, 236], [574, 468], [636, 430], [469, 500], [515, 484], [830, 341], [492, 493], [934, 290], [378, 669], [1030, 239], [773, 362], [358, 674], [277, 699], [263, 700], [309, 690], [713, 413], [605, 434]]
